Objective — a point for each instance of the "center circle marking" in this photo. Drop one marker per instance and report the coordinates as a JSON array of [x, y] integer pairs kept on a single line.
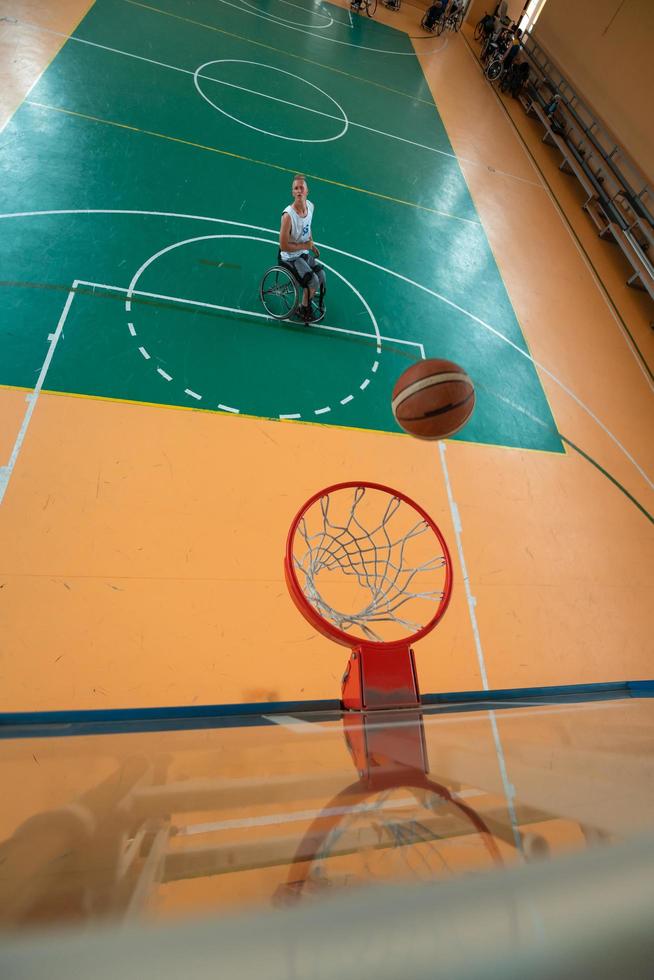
[[257, 129], [283, 20]]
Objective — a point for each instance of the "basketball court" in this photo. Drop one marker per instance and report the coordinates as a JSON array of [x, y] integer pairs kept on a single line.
[[158, 433]]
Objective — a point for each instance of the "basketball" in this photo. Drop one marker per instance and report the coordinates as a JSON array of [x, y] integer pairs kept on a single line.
[[433, 399]]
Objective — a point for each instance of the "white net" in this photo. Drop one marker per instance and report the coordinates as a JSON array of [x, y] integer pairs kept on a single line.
[[369, 563]]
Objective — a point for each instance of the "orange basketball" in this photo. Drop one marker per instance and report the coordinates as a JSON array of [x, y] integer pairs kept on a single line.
[[433, 399]]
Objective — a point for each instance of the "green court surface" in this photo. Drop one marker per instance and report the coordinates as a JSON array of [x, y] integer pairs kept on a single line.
[[169, 159]]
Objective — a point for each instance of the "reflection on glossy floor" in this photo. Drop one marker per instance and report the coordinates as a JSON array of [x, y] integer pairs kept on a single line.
[[282, 809]]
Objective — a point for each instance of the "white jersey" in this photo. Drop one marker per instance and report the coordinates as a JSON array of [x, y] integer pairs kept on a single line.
[[300, 230]]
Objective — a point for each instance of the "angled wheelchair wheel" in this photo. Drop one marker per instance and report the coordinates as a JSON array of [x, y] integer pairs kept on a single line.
[[280, 293], [479, 30], [494, 70], [440, 26], [458, 20], [371, 7]]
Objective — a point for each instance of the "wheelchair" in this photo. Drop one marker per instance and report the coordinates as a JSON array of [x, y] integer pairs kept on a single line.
[[281, 293], [483, 27], [434, 27], [493, 54], [369, 6], [454, 19]]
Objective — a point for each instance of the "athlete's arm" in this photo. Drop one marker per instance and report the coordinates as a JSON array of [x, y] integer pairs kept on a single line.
[[285, 243]]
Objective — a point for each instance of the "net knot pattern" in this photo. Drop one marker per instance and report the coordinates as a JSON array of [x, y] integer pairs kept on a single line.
[[379, 557]]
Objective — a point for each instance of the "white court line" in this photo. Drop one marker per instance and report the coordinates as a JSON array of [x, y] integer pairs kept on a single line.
[[218, 81], [296, 725], [242, 312], [32, 397], [307, 11], [472, 602], [349, 13], [295, 816], [245, 237], [268, 132], [283, 22], [368, 262], [7, 471], [289, 27], [509, 789]]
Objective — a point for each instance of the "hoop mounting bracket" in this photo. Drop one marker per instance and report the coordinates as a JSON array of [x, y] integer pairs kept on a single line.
[[375, 679]]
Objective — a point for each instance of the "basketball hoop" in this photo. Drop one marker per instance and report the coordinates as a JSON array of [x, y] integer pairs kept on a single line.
[[369, 569]]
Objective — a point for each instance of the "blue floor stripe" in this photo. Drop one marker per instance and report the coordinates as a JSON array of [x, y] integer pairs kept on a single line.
[[44, 724]]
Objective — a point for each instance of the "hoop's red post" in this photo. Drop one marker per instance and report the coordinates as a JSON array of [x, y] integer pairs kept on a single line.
[[378, 675], [380, 678], [392, 745]]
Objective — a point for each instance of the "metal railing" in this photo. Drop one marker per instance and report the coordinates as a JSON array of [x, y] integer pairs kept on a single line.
[[623, 196]]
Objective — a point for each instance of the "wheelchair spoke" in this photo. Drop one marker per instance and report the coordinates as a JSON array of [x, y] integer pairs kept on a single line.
[[279, 293]]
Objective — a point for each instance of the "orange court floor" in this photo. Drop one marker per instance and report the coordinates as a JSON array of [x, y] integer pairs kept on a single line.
[[141, 546]]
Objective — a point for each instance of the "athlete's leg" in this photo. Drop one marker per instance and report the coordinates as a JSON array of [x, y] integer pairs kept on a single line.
[[308, 280], [319, 283]]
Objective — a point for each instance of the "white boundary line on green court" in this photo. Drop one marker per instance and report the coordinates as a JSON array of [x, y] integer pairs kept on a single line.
[[357, 258], [322, 37], [32, 397], [283, 22], [264, 95]]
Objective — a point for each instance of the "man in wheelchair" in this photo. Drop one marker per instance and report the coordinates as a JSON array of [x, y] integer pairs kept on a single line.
[[297, 251], [433, 14]]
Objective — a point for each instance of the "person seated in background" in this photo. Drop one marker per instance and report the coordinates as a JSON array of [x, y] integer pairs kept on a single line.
[[551, 113], [513, 49], [519, 78], [487, 24], [504, 41], [552, 105], [434, 13], [392, 4]]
